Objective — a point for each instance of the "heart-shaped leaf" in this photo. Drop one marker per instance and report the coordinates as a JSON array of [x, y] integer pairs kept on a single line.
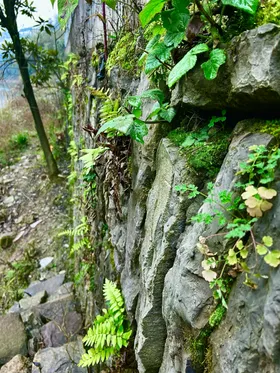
[[211, 67], [150, 10]]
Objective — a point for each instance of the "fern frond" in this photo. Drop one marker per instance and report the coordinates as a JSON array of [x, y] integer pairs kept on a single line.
[[99, 93], [107, 335], [110, 109], [113, 295]]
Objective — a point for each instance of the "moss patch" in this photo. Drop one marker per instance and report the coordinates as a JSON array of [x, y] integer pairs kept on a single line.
[[268, 12], [207, 158], [124, 54], [198, 348], [204, 157]]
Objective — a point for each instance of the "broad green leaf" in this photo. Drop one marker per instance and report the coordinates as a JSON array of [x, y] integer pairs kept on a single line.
[[137, 113], [267, 240], [53, 2], [111, 3], [152, 63], [167, 114], [261, 249], [181, 5], [273, 258], [249, 6], [154, 94], [200, 48], [174, 21], [138, 130], [189, 141], [65, 10], [134, 101], [150, 10], [173, 39], [122, 124], [186, 64], [211, 67], [155, 110], [149, 47], [157, 55]]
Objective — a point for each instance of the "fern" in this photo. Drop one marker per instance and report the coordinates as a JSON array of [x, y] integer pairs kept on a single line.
[[110, 108], [108, 334], [80, 230]]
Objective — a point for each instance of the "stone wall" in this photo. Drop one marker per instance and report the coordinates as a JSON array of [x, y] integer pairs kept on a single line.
[[154, 248]]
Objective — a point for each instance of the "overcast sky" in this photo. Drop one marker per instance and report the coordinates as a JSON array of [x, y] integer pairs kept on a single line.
[[44, 10]]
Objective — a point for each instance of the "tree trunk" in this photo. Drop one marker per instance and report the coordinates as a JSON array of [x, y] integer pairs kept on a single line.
[[29, 94]]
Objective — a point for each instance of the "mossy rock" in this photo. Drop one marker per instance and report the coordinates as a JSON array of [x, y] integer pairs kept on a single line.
[[6, 241], [124, 54]]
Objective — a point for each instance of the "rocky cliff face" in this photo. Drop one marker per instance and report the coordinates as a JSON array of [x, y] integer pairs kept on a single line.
[[154, 244]]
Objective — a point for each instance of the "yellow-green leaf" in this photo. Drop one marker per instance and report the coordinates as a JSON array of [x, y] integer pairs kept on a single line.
[[267, 240], [239, 244], [273, 258], [244, 253], [231, 258], [261, 249]]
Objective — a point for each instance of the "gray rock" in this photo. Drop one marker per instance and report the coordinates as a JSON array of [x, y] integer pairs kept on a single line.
[[165, 221], [18, 364], [29, 302], [45, 262], [249, 81], [57, 333], [9, 201], [63, 290], [15, 308], [34, 343], [12, 337], [60, 359], [187, 298], [143, 174], [56, 310], [248, 340], [50, 286]]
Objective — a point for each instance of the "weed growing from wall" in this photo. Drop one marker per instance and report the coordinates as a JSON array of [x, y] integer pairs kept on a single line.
[[239, 211], [110, 331]]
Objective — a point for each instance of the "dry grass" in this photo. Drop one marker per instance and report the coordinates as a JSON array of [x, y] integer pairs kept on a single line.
[[16, 117]]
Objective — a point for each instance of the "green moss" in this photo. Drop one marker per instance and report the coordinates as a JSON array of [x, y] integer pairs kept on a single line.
[[208, 157], [271, 127], [217, 316], [198, 348], [177, 136], [203, 157], [268, 12], [124, 54], [201, 354]]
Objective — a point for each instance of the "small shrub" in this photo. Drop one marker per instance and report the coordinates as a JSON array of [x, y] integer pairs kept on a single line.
[[19, 141]]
